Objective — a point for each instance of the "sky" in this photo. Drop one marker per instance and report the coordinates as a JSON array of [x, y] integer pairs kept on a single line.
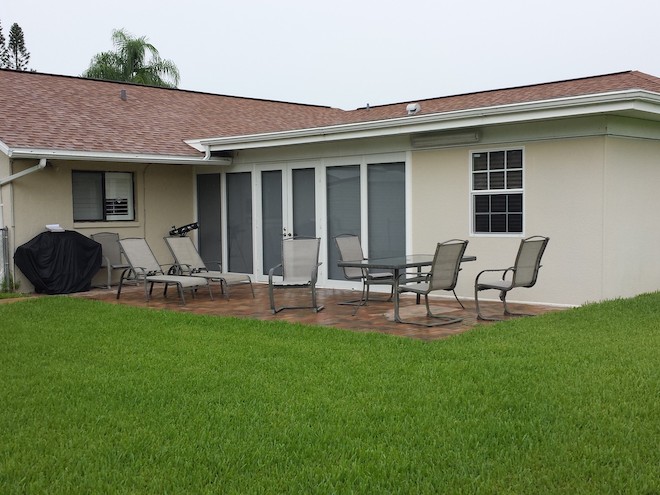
[[350, 53]]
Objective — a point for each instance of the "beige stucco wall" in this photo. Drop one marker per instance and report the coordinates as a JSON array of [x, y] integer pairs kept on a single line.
[[164, 196], [593, 194], [631, 233], [595, 197]]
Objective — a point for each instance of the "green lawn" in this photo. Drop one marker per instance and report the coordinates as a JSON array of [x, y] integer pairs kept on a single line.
[[101, 398]]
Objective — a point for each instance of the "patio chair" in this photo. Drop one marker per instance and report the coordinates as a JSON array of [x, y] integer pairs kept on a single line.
[[189, 262], [300, 264], [143, 267], [350, 249], [522, 274], [443, 275], [111, 255]]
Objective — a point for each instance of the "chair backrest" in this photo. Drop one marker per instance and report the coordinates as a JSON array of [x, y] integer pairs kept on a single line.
[[184, 253], [300, 258], [528, 261], [446, 264], [139, 255], [109, 247], [350, 249]]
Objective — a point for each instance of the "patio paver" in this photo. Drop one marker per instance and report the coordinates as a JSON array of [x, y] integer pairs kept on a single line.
[[375, 317]]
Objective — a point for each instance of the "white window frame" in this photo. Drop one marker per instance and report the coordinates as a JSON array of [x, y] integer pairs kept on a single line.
[[497, 191]]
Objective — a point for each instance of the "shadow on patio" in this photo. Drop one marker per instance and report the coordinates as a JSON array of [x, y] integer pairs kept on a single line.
[[375, 317]]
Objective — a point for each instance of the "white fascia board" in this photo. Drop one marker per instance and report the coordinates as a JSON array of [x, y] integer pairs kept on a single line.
[[35, 153], [630, 100]]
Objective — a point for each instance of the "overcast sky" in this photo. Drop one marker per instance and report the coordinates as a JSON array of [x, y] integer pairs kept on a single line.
[[349, 53]]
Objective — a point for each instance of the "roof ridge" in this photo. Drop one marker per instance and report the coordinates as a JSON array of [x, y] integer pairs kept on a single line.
[[146, 86]]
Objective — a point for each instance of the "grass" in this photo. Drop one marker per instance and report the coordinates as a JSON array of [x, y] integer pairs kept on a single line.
[[11, 295], [100, 398]]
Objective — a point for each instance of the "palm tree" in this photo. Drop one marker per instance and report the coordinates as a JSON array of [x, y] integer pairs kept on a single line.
[[134, 60]]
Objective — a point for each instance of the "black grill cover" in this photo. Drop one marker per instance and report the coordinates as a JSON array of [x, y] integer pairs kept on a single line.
[[59, 262]]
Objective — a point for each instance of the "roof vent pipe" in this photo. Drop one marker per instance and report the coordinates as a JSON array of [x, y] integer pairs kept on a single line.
[[123, 95], [413, 108]]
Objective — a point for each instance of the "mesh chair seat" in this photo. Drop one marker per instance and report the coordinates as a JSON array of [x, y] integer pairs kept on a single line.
[[350, 249], [523, 273], [300, 263], [144, 267], [189, 262], [110, 252], [442, 276]]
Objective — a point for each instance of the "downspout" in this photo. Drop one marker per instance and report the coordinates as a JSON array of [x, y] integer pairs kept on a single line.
[[10, 178], [7, 180], [42, 164]]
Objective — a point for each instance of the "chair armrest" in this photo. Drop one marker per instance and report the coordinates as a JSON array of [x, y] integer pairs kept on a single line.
[[504, 271], [315, 273], [271, 273], [179, 268], [407, 277], [141, 269]]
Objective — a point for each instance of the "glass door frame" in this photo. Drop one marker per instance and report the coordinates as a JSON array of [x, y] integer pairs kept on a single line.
[[319, 166], [286, 168]]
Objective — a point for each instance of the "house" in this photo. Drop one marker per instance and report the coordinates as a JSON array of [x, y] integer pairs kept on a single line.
[[576, 160]]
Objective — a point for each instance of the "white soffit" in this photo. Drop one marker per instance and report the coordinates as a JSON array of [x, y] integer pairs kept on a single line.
[[630, 102]]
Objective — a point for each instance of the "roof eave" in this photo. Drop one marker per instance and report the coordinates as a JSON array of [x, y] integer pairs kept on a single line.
[[619, 101]]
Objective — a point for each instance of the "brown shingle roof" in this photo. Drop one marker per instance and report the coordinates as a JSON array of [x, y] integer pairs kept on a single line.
[[539, 92], [73, 114], [66, 113]]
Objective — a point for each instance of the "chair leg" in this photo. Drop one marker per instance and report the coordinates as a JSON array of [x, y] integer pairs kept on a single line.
[[314, 305], [457, 299], [444, 319], [121, 283], [124, 275], [224, 288], [271, 296], [353, 302], [363, 298], [476, 302], [506, 308], [489, 318]]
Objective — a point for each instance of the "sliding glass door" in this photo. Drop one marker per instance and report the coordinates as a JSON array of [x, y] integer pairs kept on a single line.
[[239, 222], [245, 214], [366, 200], [288, 209]]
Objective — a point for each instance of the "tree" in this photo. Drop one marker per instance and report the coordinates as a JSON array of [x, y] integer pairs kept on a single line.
[[134, 60], [18, 56], [4, 54]]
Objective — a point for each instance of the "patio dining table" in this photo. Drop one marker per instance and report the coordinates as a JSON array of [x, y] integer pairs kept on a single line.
[[398, 265]]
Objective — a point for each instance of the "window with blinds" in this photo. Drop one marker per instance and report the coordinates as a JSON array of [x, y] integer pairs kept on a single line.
[[102, 196], [497, 192]]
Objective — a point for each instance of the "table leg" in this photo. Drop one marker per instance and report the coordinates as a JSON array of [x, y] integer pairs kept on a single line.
[[396, 296]]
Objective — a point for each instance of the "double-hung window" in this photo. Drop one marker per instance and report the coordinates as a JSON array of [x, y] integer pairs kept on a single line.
[[102, 196], [497, 192]]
